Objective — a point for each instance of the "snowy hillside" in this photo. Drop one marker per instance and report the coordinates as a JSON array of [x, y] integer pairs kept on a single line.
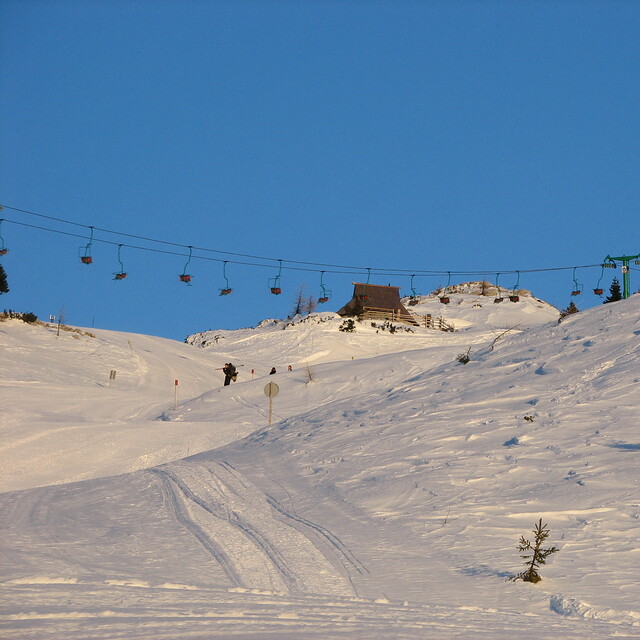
[[386, 500]]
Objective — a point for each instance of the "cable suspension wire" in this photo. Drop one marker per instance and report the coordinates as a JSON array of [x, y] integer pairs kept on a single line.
[[176, 253], [308, 266]]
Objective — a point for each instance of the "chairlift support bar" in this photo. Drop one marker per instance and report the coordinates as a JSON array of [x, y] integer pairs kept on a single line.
[[517, 284], [184, 276], [121, 275], [577, 287], [498, 297], [85, 258], [514, 297], [444, 298], [227, 290], [598, 289], [274, 283], [325, 294], [626, 285], [3, 249], [189, 260]]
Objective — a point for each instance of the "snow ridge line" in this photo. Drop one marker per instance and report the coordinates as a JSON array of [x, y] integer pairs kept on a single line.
[[210, 545]]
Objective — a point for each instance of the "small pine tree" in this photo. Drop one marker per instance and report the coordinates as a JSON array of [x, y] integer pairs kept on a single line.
[[614, 292], [568, 311], [4, 285], [534, 554]]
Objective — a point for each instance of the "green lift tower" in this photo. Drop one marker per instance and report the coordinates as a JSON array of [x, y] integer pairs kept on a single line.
[[611, 261]]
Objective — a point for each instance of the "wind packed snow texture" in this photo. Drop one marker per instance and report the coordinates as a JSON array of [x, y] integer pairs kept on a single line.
[[385, 500]]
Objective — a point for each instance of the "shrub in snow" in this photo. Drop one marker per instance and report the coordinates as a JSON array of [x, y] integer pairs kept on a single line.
[[348, 326], [534, 554], [25, 317]]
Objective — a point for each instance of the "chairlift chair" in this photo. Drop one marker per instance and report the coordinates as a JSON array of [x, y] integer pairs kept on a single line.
[[444, 298], [86, 258], [274, 283], [120, 275], [227, 290], [577, 287], [326, 294], [598, 291], [184, 276]]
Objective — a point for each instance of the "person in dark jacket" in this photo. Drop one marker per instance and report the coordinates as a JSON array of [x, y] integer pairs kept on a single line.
[[230, 373], [273, 370]]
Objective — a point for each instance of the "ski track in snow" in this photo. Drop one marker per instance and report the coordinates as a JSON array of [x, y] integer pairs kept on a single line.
[[248, 534]]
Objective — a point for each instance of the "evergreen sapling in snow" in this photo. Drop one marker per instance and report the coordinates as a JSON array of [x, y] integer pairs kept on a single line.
[[571, 309], [614, 292], [4, 285], [534, 554]]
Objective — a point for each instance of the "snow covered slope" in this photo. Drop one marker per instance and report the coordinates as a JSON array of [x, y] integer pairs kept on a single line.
[[385, 501]]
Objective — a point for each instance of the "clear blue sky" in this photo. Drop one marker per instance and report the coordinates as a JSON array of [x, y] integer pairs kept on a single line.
[[482, 136]]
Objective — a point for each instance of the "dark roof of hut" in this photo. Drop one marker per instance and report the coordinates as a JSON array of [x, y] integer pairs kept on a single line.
[[375, 296]]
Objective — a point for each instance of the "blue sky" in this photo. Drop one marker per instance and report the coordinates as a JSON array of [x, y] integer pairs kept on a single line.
[[463, 136]]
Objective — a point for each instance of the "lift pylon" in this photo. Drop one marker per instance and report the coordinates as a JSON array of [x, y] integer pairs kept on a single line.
[[626, 285]]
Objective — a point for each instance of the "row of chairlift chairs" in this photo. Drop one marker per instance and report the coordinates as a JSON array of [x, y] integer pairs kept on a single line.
[[274, 283], [414, 299], [275, 288], [445, 299]]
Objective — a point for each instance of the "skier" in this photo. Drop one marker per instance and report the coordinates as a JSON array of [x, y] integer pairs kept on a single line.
[[273, 370], [230, 373]]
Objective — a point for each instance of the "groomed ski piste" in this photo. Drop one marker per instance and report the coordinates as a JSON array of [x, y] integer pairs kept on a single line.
[[385, 500]]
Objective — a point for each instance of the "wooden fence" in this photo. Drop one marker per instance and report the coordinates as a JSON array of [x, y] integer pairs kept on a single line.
[[427, 321]]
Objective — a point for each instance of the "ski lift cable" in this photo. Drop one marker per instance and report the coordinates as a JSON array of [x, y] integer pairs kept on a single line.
[[380, 271]]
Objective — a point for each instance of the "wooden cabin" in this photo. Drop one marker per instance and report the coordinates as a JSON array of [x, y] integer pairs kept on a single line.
[[377, 302]]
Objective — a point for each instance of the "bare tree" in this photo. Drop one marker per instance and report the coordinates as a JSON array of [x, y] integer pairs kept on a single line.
[[310, 305], [298, 304]]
